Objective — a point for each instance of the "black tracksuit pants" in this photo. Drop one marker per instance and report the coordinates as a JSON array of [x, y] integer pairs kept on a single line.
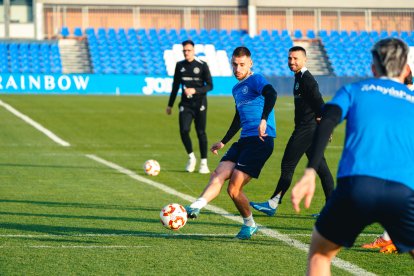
[[198, 113], [299, 144]]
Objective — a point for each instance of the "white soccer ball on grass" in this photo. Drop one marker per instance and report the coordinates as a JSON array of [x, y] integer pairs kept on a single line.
[[152, 167], [173, 216]]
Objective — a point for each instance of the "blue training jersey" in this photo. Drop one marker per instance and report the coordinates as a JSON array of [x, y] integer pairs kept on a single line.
[[250, 102], [379, 139]]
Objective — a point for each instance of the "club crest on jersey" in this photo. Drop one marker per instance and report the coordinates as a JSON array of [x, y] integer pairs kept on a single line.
[[202, 108], [297, 86], [245, 90], [181, 108], [196, 70]]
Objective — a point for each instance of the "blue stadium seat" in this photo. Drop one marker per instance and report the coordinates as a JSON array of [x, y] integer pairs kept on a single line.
[[394, 34], [310, 34], [297, 34], [64, 32], [77, 32]]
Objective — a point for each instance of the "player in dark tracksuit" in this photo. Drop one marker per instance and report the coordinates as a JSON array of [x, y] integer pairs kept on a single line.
[[308, 108], [193, 75]]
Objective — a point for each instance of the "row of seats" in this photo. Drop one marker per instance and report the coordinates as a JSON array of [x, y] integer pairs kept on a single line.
[[33, 57], [140, 51], [349, 53]]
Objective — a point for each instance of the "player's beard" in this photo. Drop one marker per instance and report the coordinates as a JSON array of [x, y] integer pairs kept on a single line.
[[242, 76]]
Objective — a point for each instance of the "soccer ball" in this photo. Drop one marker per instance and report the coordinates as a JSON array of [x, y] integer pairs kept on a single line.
[[173, 216], [152, 167]]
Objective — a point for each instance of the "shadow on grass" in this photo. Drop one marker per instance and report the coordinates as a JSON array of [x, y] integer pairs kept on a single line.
[[92, 233], [154, 217]]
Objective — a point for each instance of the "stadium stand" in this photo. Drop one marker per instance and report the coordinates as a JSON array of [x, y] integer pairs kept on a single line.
[[142, 51], [30, 57], [156, 51], [348, 52]]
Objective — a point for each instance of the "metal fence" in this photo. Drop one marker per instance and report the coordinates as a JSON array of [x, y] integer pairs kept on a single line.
[[197, 18]]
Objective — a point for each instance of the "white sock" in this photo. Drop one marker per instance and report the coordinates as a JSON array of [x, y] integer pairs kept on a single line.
[[249, 221], [274, 202], [199, 203], [192, 155], [203, 161], [385, 236]]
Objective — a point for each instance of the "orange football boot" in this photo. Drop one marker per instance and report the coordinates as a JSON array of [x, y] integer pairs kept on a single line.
[[388, 249], [378, 243]]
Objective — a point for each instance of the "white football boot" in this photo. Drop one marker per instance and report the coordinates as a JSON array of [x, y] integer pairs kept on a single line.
[[191, 164], [203, 167]]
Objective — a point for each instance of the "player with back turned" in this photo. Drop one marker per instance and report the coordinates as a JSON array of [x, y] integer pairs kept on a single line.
[[375, 179], [193, 75]]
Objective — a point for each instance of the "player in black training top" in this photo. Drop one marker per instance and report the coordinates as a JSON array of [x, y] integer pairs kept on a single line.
[[195, 79], [308, 110]]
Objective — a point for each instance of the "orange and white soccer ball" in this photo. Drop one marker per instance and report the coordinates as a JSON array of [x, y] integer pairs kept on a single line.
[[173, 216], [152, 167]]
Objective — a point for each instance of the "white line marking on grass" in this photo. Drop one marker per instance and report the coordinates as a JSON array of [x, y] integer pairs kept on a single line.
[[347, 266], [35, 124]]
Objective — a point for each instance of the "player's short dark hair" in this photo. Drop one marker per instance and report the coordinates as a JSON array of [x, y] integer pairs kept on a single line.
[[186, 42], [409, 78], [241, 51], [389, 57], [297, 48]]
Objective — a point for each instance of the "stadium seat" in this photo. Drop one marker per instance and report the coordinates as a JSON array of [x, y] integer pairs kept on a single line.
[[77, 32], [297, 34], [64, 32], [310, 34]]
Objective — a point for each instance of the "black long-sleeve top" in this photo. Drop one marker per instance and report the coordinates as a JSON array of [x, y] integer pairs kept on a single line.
[[308, 99], [194, 74]]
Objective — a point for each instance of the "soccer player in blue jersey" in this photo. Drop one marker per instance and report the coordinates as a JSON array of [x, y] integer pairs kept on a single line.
[[254, 98], [376, 171]]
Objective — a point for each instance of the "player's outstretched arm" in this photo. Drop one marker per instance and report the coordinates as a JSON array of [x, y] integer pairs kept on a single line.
[[304, 188]]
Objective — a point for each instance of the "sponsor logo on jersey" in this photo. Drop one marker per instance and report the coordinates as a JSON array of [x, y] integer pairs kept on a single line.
[[182, 70]]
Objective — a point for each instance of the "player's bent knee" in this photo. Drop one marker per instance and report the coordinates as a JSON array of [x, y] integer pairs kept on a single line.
[[232, 191]]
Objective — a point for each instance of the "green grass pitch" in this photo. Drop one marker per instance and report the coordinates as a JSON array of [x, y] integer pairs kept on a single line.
[[64, 213]]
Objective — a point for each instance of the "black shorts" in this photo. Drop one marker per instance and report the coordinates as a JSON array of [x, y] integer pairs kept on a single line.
[[362, 200], [250, 154]]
